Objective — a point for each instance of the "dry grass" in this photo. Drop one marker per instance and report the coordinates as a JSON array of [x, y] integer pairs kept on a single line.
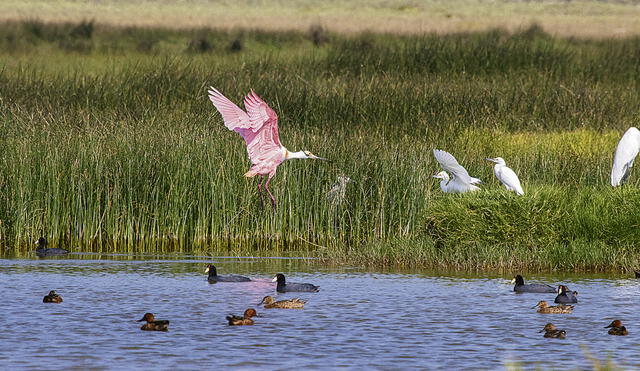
[[582, 18]]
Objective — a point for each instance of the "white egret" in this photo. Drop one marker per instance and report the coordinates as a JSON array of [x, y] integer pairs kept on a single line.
[[626, 151], [506, 176], [338, 190], [460, 180]]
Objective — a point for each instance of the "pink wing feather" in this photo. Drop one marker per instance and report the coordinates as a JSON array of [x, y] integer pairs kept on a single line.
[[258, 126], [261, 115]]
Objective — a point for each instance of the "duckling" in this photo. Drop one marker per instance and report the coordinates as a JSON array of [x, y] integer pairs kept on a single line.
[[617, 328], [533, 287], [566, 296], [42, 249], [52, 298], [152, 324], [293, 287], [543, 307], [294, 303], [550, 331], [213, 276], [244, 320]]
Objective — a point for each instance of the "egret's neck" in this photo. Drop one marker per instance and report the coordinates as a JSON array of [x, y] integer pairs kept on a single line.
[[291, 155], [443, 184]]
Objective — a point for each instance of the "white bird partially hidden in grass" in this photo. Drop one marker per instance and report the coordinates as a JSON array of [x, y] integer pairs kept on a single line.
[[338, 190], [626, 151], [460, 180], [506, 176]]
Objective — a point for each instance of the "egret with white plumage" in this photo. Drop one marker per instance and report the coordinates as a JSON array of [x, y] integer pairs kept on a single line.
[[626, 152], [506, 176], [460, 180]]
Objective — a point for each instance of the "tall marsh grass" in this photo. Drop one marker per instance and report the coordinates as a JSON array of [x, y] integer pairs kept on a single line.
[[117, 149]]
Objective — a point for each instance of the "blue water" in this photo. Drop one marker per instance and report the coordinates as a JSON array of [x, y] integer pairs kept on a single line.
[[359, 319]]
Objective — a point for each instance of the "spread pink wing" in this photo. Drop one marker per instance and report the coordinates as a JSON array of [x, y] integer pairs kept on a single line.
[[258, 126], [262, 116], [267, 143], [234, 117]]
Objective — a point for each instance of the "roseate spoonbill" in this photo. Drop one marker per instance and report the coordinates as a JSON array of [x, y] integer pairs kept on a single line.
[[626, 151], [259, 128], [506, 176], [461, 181]]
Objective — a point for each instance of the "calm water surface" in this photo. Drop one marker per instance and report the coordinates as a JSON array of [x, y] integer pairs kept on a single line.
[[359, 319]]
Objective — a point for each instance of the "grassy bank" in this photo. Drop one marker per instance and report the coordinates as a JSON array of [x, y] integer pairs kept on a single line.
[[110, 144]]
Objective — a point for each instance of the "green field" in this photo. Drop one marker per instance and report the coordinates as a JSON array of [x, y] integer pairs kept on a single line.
[[110, 144]]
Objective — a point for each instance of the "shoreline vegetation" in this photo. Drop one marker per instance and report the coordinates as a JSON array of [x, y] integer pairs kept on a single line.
[[109, 144]]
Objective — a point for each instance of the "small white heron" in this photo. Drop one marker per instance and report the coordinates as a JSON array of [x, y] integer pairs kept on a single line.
[[626, 151], [338, 190], [506, 176], [460, 180]]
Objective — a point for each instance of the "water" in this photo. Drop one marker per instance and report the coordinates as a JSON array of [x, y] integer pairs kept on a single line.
[[359, 319]]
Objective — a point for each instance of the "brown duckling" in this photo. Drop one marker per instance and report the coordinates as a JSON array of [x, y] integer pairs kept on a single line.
[[244, 320], [294, 303], [152, 324], [616, 328], [550, 331], [544, 307], [52, 298]]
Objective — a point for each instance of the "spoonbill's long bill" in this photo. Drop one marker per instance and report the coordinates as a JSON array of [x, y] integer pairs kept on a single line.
[[259, 128], [460, 181]]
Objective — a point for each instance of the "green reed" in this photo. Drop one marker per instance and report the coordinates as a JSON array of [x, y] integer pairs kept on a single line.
[[112, 145]]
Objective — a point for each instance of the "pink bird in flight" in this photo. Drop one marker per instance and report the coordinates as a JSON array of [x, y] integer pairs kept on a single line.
[[259, 129]]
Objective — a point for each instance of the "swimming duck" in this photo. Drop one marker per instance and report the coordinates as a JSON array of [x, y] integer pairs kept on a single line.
[[550, 331], [43, 250], [244, 320], [52, 298], [533, 287], [543, 307], [152, 324], [213, 276], [616, 328], [566, 296], [294, 303], [293, 287]]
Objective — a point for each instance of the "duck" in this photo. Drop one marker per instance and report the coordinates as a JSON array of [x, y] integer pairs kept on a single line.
[[43, 250], [293, 287], [294, 303], [532, 287], [616, 328], [544, 307], [244, 320], [153, 324], [550, 331], [52, 297], [213, 276], [566, 296]]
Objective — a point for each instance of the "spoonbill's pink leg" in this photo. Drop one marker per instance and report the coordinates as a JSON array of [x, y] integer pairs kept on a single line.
[[273, 199], [260, 180]]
